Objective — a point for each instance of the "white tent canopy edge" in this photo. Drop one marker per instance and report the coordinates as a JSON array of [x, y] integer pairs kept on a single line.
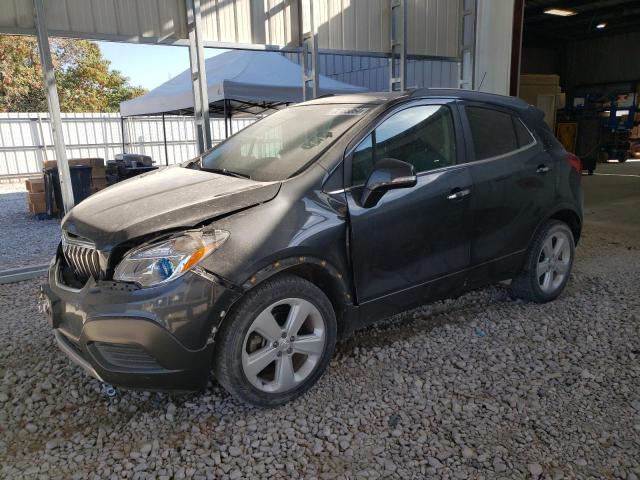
[[252, 77]]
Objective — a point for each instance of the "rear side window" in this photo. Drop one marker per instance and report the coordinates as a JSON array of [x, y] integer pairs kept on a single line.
[[496, 133], [522, 133]]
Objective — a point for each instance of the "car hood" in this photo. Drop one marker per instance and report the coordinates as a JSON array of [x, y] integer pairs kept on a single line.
[[159, 201]]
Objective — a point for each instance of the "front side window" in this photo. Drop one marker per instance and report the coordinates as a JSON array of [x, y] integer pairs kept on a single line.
[[284, 143], [496, 133], [422, 136]]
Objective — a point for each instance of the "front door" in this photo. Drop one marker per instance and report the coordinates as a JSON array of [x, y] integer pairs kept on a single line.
[[414, 242]]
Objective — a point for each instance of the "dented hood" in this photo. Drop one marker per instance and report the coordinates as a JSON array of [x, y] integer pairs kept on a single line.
[[155, 202]]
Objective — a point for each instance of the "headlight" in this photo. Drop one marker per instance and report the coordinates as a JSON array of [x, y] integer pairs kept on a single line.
[[160, 262]]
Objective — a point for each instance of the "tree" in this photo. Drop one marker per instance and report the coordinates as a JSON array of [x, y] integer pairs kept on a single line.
[[85, 81]]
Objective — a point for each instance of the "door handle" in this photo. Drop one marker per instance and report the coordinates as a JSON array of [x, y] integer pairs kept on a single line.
[[542, 169], [457, 194]]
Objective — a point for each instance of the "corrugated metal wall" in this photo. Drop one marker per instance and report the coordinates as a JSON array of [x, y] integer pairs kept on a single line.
[[433, 27], [353, 25], [372, 72], [154, 20]]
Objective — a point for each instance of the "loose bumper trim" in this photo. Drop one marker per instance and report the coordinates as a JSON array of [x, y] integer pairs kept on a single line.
[[70, 351]]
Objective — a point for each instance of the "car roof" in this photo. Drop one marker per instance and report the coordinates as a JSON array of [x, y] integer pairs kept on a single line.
[[384, 97], [380, 98]]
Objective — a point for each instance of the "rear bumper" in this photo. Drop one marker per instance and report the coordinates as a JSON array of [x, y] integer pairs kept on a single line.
[[152, 338]]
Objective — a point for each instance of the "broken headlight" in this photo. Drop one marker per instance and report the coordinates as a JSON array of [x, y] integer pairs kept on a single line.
[[160, 262]]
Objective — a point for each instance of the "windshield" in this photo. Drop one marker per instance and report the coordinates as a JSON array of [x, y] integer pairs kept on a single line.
[[282, 144]]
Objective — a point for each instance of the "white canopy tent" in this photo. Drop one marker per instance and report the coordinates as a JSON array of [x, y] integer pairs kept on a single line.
[[240, 82]]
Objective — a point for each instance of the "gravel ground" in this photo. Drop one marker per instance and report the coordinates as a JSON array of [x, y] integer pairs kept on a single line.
[[25, 241], [477, 387]]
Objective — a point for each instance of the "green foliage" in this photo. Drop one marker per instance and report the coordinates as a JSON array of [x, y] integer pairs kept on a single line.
[[85, 81]]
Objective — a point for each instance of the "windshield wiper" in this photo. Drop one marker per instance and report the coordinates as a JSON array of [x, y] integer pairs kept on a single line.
[[225, 171]]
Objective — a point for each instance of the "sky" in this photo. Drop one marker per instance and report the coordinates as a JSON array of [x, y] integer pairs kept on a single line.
[[149, 65]]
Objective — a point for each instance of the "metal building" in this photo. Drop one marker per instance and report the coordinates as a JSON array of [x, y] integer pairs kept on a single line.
[[379, 44]]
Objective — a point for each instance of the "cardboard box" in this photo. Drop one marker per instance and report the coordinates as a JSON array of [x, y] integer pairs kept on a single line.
[[35, 184], [99, 181], [36, 202], [37, 207], [36, 197], [98, 184], [98, 172], [539, 79], [89, 162]]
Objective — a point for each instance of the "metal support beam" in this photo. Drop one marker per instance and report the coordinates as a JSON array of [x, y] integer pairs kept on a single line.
[[398, 59], [468, 44], [198, 76], [54, 104], [310, 74], [124, 143], [516, 47]]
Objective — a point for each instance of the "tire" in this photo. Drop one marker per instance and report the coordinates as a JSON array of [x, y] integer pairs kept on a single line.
[[252, 358], [547, 266]]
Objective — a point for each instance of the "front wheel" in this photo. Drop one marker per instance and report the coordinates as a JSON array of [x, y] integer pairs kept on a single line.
[[548, 264], [276, 342]]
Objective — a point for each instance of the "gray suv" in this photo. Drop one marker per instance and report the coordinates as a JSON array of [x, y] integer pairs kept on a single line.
[[250, 261]]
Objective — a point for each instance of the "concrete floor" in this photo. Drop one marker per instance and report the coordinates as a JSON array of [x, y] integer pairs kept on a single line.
[[612, 196]]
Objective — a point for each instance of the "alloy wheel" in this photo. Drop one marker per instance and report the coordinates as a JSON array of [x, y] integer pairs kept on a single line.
[[554, 261], [283, 345]]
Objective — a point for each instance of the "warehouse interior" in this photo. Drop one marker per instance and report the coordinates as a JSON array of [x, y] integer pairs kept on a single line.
[[579, 63]]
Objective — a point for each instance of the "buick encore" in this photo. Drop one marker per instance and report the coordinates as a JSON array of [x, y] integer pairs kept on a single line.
[[250, 261]]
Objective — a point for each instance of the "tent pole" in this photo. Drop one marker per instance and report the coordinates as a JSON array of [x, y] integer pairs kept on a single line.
[[164, 137], [54, 104], [198, 76], [230, 124], [226, 128]]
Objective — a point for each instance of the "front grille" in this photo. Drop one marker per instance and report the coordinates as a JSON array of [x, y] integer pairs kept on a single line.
[[83, 259]]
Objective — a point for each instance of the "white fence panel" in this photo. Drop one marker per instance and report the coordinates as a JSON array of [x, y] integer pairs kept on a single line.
[[26, 138]]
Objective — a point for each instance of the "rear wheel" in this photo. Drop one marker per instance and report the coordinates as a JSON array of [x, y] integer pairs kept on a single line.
[[548, 264], [276, 343]]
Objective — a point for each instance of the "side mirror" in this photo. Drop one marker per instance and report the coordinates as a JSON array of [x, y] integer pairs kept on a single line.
[[387, 174]]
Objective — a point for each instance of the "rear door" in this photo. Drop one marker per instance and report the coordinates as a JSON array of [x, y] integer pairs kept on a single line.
[[513, 185], [414, 242]]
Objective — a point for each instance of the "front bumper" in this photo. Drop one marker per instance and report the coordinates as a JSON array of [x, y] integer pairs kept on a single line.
[[157, 338]]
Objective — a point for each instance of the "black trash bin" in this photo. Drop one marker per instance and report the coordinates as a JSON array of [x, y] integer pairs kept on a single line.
[[80, 182], [52, 192]]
